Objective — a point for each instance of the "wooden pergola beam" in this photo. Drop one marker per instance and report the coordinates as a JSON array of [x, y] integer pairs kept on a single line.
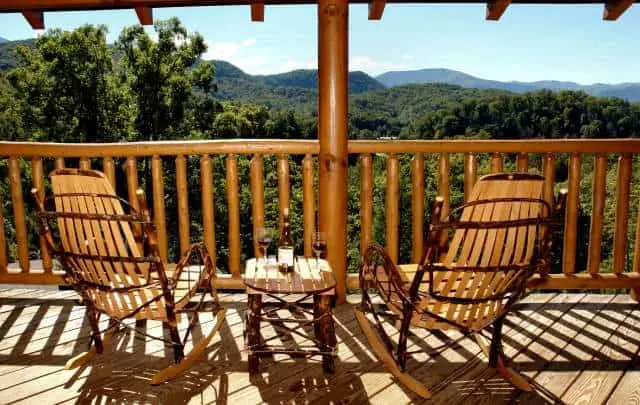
[[614, 9], [145, 15], [495, 9], [35, 19], [257, 11], [376, 8]]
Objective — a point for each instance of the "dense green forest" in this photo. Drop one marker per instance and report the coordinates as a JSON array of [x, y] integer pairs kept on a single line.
[[74, 87]]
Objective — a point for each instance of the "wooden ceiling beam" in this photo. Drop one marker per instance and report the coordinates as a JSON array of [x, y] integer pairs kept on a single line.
[[35, 19], [145, 15], [495, 9], [376, 9], [614, 9], [257, 11]]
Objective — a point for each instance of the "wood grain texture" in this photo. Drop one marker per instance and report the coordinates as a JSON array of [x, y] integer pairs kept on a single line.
[[3, 243], [470, 174], [571, 219], [417, 207], [621, 225], [549, 173], [37, 175], [597, 213], [159, 211], [333, 132], [17, 202], [497, 163], [284, 188], [366, 201], [233, 204], [182, 191], [308, 203], [392, 207], [256, 168], [208, 213]]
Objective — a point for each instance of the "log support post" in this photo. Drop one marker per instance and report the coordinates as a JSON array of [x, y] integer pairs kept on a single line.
[[333, 17]]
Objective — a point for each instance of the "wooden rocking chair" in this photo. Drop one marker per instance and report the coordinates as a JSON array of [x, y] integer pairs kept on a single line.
[[102, 250], [468, 282]]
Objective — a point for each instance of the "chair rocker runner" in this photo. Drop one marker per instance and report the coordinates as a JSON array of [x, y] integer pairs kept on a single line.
[[111, 259], [474, 267]]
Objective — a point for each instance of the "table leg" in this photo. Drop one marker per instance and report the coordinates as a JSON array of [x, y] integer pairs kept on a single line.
[[254, 304], [324, 329]]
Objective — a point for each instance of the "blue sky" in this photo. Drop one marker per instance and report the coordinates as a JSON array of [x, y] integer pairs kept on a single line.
[[530, 42]]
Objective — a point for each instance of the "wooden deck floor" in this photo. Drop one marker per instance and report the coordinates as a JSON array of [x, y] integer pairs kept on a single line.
[[576, 348]]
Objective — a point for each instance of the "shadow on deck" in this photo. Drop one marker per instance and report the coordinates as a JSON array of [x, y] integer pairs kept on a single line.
[[576, 348]]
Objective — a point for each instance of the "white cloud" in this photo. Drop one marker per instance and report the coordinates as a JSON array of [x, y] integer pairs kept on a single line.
[[296, 64], [370, 66], [234, 52], [407, 56], [249, 42]]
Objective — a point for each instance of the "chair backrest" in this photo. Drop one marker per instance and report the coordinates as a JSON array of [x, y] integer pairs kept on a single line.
[[96, 239], [496, 245]]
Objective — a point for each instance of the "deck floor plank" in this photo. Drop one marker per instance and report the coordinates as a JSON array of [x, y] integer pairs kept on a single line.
[[577, 348]]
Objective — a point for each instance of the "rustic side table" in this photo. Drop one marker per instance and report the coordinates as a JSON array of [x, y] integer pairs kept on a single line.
[[288, 291]]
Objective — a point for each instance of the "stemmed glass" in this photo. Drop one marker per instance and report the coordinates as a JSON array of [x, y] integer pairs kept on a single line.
[[319, 246], [264, 237]]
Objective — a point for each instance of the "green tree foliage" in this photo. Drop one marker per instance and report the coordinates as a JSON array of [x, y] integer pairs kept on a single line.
[[163, 77], [66, 88]]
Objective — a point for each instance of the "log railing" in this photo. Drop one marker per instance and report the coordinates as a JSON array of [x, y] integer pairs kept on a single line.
[[430, 164]]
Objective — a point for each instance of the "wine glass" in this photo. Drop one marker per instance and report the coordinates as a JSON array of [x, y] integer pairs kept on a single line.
[[264, 237], [319, 246]]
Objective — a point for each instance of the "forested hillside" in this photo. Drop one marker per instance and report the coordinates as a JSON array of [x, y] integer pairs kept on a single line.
[[69, 87], [628, 91]]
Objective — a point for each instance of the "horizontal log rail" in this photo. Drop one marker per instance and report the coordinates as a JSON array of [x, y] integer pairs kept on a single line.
[[428, 169]]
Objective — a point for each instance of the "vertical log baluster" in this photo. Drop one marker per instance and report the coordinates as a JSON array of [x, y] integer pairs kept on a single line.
[[549, 173], [623, 189], [257, 198], [58, 163], [3, 243], [208, 221], [109, 169], [470, 174], [443, 182], [597, 213], [497, 163], [571, 218], [234, 215], [522, 162], [366, 201], [37, 174], [131, 168], [284, 188], [18, 214], [85, 164], [417, 206], [159, 214], [308, 198], [391, 200], [182, 189]]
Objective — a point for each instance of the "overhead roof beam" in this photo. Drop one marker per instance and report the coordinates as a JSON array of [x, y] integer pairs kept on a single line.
[[614, 9], [376, 8], [35, 19], [257, 11], [495, 9], [145, 15]]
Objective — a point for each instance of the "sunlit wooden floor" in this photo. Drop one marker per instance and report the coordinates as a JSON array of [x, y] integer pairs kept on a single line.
[[576, 348]]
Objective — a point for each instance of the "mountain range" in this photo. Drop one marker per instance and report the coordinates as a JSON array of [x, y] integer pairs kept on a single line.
[[300, 86], [629, 91]]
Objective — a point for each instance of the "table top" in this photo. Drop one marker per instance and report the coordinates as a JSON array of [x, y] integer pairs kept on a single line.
[[308, 277]]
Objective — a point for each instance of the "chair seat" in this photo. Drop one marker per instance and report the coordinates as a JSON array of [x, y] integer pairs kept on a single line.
[[472, 316], [119, 305]]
